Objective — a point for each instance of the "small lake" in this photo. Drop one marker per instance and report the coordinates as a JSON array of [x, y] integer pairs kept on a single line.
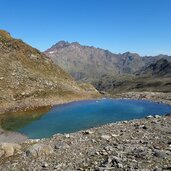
[[78, 116]]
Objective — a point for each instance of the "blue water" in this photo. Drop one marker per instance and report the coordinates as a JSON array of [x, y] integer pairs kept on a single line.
[[82, 115]]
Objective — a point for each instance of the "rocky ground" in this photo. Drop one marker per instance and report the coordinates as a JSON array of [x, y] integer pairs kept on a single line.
[[135, 145], [143, 144]]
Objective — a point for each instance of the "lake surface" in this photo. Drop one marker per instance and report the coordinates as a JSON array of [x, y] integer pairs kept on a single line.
[[81, 115]]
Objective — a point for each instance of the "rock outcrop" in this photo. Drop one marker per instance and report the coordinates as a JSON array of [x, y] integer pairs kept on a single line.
[[39, 150]]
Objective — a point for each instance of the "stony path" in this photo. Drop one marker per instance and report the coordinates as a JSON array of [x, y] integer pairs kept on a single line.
[[135, 145]]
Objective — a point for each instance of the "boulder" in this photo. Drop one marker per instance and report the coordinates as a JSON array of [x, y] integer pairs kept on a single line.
[[9, 149], [39, 149]]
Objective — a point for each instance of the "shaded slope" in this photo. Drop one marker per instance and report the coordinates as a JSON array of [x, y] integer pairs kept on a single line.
[[155, 77], [161, 68]]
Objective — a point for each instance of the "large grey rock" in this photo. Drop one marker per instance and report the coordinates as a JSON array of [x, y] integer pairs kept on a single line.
[[160, 154], [39, 150], [9, 149]]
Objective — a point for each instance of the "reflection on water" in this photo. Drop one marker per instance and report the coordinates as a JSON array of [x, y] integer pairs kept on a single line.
[[16, 120]]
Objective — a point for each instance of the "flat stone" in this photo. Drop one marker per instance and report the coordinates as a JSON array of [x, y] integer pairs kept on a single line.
[[106, 137], [114, 135], [149, 116], [60, 145], [160, 154], [157, 116]]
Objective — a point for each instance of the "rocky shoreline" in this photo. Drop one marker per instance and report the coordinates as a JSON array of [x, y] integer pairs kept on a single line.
[[143, 144], [158, 97]]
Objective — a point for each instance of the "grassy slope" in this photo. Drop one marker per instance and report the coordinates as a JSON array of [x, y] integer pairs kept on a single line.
[[28, 77]]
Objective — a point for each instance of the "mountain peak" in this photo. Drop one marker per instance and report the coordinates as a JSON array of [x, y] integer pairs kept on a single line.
[[61, 44], [130, 53]]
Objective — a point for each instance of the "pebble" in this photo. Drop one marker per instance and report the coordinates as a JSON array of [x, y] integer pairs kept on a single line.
[[120, 165], [67, 135], [45, 165], [88, 132]]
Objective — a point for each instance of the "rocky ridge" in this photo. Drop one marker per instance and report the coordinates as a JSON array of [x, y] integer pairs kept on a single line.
[[88, 63]]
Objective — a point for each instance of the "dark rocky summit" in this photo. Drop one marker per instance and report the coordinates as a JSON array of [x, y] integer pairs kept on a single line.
[[161, 68]]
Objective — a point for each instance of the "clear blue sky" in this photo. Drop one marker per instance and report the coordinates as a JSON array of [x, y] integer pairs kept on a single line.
[[142, 26]]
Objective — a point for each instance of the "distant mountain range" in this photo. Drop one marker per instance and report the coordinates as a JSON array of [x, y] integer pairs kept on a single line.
[[112, 72], [89, 63], [28, 78], [155, 77]]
